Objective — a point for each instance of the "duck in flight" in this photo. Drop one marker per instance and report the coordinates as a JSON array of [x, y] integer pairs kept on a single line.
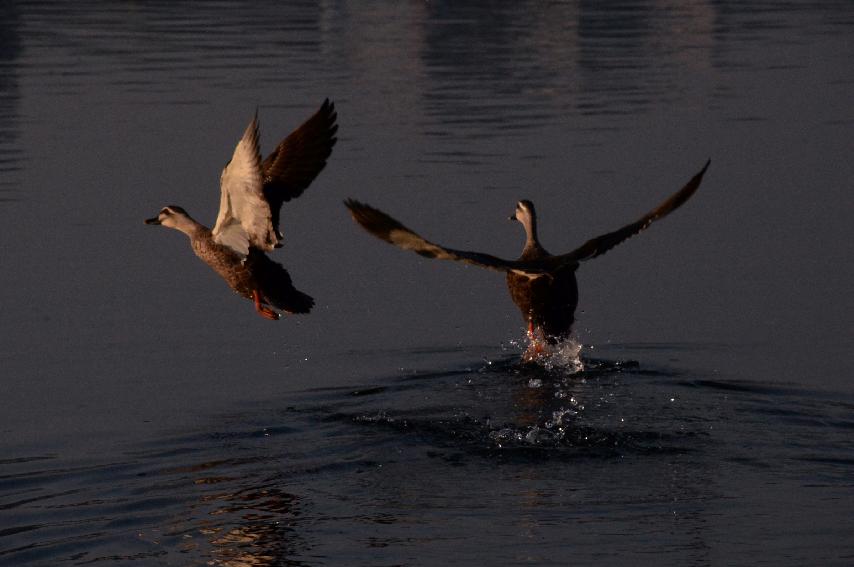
[[542, 285], [247, 226]]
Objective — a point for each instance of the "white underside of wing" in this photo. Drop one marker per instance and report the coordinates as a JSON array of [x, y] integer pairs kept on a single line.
[[529, 275], [233, 236], [244, 218]]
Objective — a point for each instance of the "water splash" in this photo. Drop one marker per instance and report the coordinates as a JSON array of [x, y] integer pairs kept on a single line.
[[564, 357]]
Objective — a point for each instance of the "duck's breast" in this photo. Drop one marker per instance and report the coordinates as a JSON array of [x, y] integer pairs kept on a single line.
[[227, 263]]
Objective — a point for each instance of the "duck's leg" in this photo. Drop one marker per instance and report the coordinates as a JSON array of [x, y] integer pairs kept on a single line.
[[537, 345], [262, 309]]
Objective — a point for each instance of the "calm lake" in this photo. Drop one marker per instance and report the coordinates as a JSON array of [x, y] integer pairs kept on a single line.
[[148, 416]]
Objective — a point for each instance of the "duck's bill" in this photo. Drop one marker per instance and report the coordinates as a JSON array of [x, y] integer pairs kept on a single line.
[[155, 220]]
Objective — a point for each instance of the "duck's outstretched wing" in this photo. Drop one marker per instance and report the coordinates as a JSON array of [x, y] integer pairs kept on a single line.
[[244, 217], [601, 244], [297, 160], [386, 228]]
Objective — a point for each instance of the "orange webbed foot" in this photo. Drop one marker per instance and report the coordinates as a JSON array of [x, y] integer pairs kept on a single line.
[[262, 309]]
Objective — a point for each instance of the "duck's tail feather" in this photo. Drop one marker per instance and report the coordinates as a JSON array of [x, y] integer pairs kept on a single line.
[[277, 287]]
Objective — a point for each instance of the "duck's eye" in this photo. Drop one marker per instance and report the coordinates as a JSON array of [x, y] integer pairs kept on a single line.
[[165, 212]]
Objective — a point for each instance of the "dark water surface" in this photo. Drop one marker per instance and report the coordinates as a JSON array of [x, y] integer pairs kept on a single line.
[[149, 417]]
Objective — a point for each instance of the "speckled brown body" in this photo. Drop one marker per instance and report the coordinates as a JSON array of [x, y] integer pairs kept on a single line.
[[255, 273], [225, 262]]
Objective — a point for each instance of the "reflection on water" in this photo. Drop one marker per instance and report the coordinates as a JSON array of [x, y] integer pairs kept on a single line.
[[256, 525], [592, 58], [10, 152], [169, 50]]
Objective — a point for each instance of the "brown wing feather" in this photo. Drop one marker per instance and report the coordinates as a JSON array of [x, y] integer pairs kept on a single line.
[[297, 160], [386, 228], [601, 244]]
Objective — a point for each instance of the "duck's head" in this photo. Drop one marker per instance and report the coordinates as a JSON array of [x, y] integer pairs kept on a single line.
[[173, 217], [525, 214], [524, 211]]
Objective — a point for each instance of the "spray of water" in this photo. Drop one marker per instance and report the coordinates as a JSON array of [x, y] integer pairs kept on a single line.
[[564, 356]]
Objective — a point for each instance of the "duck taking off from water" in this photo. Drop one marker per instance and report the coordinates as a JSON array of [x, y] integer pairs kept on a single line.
[[542, 285], [247, 226]]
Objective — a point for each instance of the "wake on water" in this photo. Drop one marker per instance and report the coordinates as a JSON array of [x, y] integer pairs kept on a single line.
[[555, 392]]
